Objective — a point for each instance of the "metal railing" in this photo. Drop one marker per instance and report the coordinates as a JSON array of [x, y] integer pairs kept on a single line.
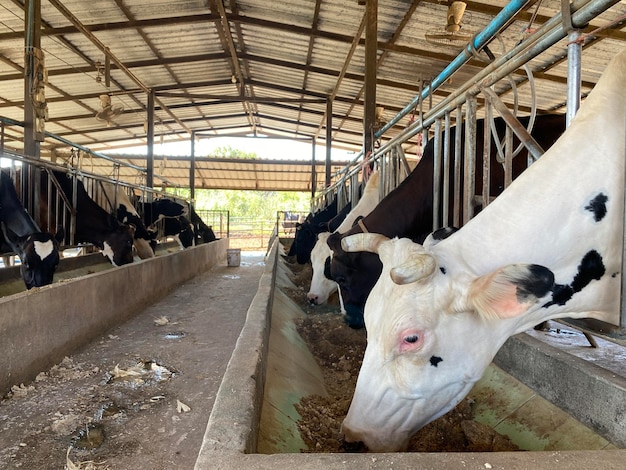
[[461, 107]]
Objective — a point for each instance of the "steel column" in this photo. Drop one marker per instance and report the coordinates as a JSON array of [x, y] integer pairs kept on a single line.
[[371, 47]]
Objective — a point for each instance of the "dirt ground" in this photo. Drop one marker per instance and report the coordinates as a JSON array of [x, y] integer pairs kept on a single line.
[[339, 351], [140, 396]]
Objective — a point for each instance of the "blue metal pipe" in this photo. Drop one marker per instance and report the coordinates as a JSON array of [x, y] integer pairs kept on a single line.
[[479, 41]]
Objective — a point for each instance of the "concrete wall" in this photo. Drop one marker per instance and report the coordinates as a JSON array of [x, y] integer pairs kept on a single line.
[[593, 395], [40, 327]]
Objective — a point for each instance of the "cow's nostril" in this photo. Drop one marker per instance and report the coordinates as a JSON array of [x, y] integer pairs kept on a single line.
[[313, 300], [353, 447]]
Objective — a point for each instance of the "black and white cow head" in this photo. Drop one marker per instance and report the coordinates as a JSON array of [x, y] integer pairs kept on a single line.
[[38, 253]]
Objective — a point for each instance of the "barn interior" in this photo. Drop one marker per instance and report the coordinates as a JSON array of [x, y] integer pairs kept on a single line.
[[97, 89]]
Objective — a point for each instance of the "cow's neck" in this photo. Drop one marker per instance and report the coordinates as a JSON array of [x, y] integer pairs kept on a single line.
[[551, 214]]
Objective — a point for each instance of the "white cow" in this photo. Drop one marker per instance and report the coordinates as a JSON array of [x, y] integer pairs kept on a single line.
[[550, 246], [322, 287]]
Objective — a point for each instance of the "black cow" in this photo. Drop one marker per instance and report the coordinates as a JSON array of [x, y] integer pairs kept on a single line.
[[307, 232], [202, 232], [154, 211], [94, 224], [181, 229], [38, 251], [407, 212]]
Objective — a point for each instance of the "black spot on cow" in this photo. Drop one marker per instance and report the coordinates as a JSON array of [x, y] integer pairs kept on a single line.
[[590, 268], [435, 360], [442, 269], [598, 207], [538, 283]]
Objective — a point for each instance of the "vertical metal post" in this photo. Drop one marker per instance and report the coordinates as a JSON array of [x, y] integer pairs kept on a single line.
[[314, 168], [458, 158], [446, 173], [30, 185], [329, 135], [371, 47], [622, 316], [487, 154], [437, 176], [192, 170], [469, 185], [574, 53], [508, 157], [150, 139]]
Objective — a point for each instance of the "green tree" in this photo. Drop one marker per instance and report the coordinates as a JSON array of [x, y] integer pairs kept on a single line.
[[242, 203]]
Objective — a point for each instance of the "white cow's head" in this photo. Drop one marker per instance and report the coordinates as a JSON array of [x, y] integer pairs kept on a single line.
[[431, 333], [321, 286]]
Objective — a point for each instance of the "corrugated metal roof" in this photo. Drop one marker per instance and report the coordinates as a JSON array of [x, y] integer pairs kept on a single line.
[[242, 66]]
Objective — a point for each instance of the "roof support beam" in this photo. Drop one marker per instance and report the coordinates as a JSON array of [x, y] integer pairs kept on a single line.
[[371, 40]]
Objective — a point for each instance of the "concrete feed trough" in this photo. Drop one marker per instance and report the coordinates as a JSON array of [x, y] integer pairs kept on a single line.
[[253, 422]]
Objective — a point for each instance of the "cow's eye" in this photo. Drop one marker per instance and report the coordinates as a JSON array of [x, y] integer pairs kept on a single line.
[[411, 339]]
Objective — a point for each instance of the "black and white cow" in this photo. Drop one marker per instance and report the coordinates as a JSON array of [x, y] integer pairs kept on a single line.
[[117, 201], [202, 232], [407, 212], [321, 286], [94, 224], [38, 251], [307, 231], [549, 246]]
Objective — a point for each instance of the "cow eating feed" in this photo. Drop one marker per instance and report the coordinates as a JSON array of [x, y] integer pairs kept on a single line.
[[550, 246]]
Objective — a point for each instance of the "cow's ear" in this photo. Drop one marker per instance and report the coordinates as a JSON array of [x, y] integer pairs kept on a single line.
[[334, 241], [15, 241], [60, 234], [510, 291]]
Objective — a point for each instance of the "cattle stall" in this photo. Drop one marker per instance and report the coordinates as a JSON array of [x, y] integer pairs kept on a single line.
[[461, 180], [41, 194]]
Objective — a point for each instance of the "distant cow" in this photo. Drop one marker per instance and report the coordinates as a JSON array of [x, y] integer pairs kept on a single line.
[[307, 231], [407, 212], [94, 224], [321, 286], [116, 200], [181, 229], [202, 232], [549, 247], [38, 251]]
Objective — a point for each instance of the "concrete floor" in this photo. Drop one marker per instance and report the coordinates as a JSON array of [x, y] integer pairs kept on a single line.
[[144, 427]]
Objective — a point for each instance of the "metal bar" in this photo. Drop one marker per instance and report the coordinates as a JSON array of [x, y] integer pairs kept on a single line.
[[469, 185], [150, 144], [437, 176], [329, 133], [446, 173], [508, 156], [486, 155], [520, 131], [574, 78], [622, 317], [192, 169], [313, 168], [546, 36], [369, 105], [482, 38], [458, 158]]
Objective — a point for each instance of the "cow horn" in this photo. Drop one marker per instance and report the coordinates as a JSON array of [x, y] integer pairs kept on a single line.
[[418, 267], [363, 242]]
